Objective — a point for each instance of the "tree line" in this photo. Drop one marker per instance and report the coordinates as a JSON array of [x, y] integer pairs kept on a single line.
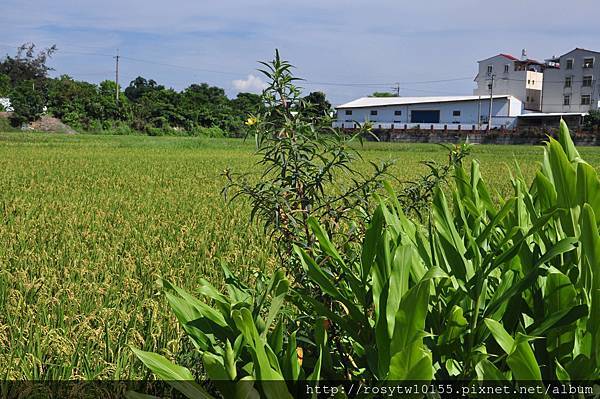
[[144, 106]]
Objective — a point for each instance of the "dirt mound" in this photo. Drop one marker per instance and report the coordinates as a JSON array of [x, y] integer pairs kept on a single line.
[[46, 123], [50, 124]]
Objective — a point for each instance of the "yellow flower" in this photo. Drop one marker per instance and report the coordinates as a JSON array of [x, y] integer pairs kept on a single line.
[[251, 121]]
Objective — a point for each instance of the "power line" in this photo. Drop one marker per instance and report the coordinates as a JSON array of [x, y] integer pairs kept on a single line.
[[237, 74], [304, 82], [387, 84], [182, 67]]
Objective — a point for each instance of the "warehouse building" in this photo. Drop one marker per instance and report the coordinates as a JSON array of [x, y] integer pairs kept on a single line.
[[439, 113]]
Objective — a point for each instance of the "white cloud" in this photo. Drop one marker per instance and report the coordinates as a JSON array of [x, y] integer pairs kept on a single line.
[[251, 84]]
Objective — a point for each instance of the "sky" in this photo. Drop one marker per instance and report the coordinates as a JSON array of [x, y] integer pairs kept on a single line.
[[346, 48]]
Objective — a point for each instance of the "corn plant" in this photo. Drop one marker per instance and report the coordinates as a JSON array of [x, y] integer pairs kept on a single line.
[[514, 285], [244, 342]]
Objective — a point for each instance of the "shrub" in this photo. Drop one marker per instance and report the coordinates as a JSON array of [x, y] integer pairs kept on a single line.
[[210, 132], [592, 120]]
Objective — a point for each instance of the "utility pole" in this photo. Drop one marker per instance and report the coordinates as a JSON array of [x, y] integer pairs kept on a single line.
[[491, 102], [479, 114], [397, 89], [117, 76]]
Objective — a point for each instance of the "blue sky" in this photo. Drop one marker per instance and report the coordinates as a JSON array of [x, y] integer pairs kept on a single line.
[[344, 42]]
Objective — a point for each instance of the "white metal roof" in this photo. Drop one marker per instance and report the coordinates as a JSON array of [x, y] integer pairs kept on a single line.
[[391, 101]]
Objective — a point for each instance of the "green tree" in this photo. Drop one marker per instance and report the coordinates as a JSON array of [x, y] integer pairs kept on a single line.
[[316, 104], [27, 102], [4, 85], [140, 86], [158, 109], [27, 65], [246, 104], [204, 105], [74, 102], [109, 109], [382, 94]]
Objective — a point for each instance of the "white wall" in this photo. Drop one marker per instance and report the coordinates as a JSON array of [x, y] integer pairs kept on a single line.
[[513, 83], [469, 110], [554, 83]]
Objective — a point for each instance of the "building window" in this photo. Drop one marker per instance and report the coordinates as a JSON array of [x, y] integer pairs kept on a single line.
[[587, 81], [568, 81], [455, 113], [397, 112], [397, 121], [373, 112], [490, 69], [506, 68], [588, 62], [586, 99], [348, 112], [528, 81], [569, 64], [533, 82], [567, 100], [527, 98]]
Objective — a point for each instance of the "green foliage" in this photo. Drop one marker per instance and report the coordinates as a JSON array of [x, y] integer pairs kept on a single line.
[[416, 195], [145, 106], [27, 65], [139, 87], [210, 132], [4, 85], [5, 125], [23, 78], [592, 119], [482, 291], [382, 94], [156, 109], [27, 103], [75, 103], [301, 156], [315, 105], [234, 337]]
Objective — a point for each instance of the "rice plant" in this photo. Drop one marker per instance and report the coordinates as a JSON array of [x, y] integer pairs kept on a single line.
[[89, 223]]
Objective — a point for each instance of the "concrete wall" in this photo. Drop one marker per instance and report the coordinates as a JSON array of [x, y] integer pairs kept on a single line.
[[494, 137], [504, 110], [554, 83]]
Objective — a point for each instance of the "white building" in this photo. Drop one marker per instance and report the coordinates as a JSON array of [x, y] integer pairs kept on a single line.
[[456, 112], [519, 78], [571, 82]]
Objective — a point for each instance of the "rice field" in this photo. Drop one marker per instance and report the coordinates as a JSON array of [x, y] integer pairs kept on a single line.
[[88, 224]]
